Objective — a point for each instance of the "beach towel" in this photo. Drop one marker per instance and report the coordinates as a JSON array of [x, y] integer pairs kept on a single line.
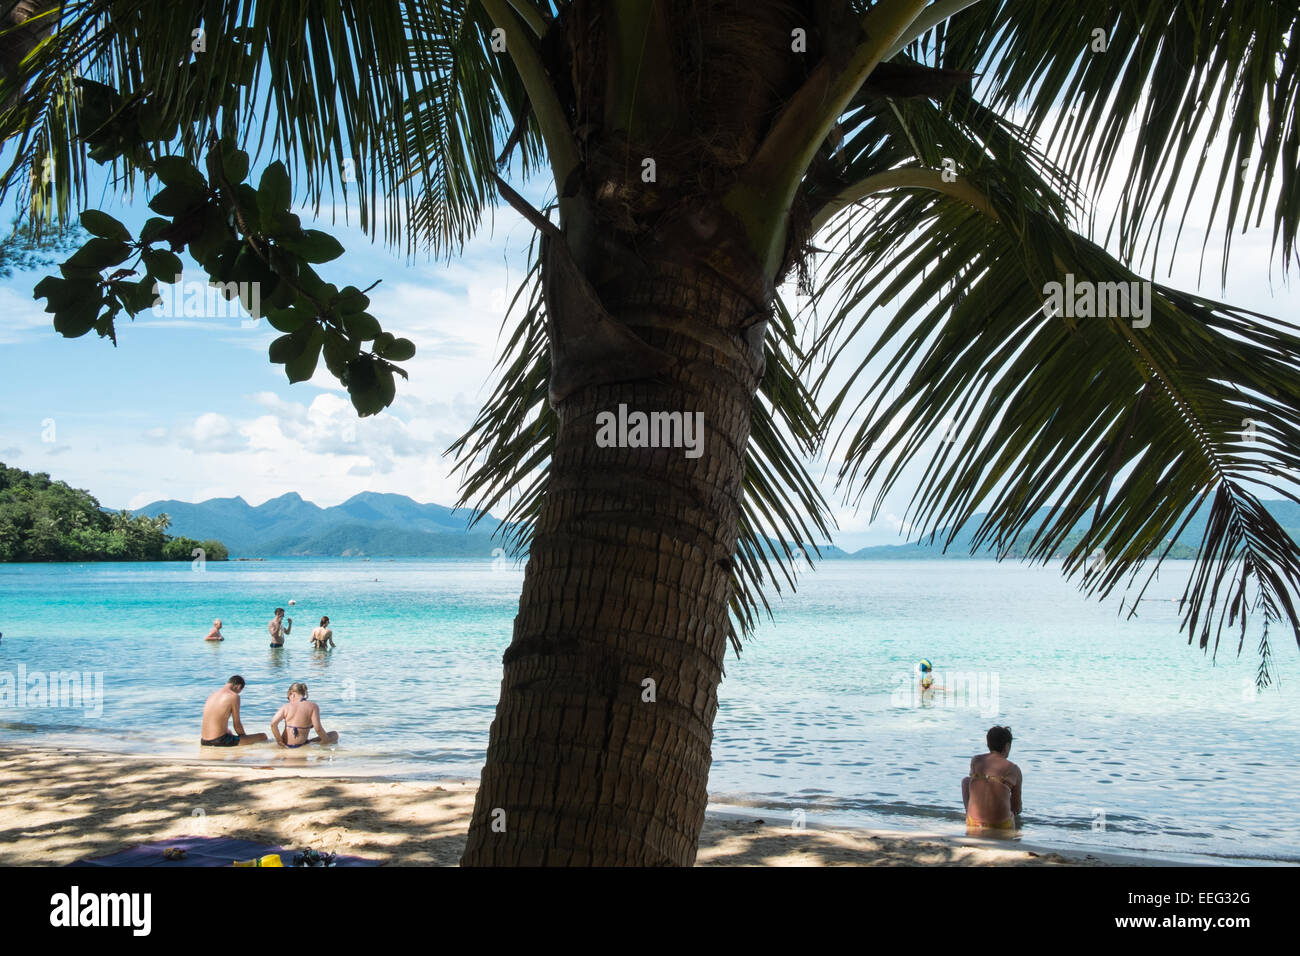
[[206, 851]]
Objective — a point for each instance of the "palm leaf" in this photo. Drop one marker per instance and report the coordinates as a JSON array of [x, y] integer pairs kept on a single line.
[[1137, 425], [1182, 70], [391, 102]]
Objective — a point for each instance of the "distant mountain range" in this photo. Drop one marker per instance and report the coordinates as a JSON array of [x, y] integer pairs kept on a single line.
[[1286, 512], [366, 524], [387, 525]]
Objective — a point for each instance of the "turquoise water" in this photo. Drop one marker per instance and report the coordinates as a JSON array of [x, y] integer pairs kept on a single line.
[[1129, 739]]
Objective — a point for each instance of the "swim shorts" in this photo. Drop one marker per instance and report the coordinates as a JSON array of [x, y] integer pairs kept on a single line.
[[225, 740], [1004, 825]]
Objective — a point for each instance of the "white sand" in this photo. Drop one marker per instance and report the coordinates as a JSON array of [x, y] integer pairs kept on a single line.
[[61, 804]]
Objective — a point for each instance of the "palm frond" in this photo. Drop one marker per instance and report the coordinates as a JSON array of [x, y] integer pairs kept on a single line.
[[1119, 429], [1179, 71], [388, 101]]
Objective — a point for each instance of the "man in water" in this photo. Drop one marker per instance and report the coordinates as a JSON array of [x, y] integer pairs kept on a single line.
[[992, 793], [300, 716], [279, 627], [322, 637], [215, 633], [222, 706]]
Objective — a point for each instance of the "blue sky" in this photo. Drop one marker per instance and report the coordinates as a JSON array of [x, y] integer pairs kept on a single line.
[[191, 408]]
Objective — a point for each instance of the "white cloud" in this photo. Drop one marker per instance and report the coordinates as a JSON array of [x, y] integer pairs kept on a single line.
[[24, 319], [211, 432]]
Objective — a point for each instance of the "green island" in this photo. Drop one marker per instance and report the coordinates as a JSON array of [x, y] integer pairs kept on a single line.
[[44, 520]]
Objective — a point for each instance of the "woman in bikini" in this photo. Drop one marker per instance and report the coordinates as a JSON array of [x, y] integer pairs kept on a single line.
[[992, 792], [300, 716], [322, 637]]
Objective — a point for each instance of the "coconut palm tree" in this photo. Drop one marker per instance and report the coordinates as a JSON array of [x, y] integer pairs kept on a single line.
[[924, 167]]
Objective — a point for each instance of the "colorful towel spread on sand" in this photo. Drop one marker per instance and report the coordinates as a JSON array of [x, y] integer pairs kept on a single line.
[[204, 851]]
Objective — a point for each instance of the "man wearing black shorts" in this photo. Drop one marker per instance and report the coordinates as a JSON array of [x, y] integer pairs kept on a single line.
[[221, 707], [279, 627]]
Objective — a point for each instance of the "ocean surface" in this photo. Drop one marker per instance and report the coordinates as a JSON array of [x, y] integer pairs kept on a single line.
[[1130, 740]]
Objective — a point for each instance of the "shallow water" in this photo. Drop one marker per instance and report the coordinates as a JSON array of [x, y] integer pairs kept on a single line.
[[1129, 739]]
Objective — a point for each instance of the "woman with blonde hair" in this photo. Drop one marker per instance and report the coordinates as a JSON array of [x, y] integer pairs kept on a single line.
[[300, 716]]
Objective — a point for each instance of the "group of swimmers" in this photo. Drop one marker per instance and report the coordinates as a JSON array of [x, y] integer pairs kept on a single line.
[[299, 717], [992, 792], [322, 638]]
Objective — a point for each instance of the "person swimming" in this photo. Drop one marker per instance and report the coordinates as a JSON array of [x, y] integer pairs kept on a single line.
[[992, 792], [322, 637], [215, 634], [300, 716]]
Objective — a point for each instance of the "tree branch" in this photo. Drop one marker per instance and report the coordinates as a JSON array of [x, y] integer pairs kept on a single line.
[[561, 148], [766, 190], [909, 178], [525, 209], [940, 11], [530, 14]]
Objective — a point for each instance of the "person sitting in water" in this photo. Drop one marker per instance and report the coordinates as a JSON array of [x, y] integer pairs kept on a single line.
[[215, 633], [222, 706], [279, 627], [322, 637], [991, 793], [299, 717]]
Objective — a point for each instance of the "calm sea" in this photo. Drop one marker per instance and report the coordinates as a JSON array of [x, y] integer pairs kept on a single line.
[[1129, 739]]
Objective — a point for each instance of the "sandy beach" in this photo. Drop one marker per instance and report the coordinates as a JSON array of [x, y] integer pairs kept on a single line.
[[62, 804]]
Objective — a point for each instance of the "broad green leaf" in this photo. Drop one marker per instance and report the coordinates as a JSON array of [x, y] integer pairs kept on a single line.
[[287, 347], [99, 254], [314, 246], [177, 200], [338, 353], [362, 327], [163, 265], [286, 320], [104, 226], [273, 191], [352, 300], [153, 228], [234, 162], [399, 351], [180, 172], [77, 320], [303, 365], [63, 294], [136, 297]]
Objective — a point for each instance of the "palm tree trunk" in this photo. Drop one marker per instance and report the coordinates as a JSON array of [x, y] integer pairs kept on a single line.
[[627, 582], [15, 46]]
